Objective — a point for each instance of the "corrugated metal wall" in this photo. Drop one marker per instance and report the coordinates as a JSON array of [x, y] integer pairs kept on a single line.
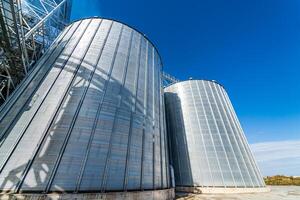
[[90, 117], [208, 145]]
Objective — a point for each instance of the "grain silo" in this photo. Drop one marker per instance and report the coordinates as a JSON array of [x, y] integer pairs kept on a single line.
[[209, 150], [88, 119]]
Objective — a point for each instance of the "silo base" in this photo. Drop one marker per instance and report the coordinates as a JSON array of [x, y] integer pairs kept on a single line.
[[214, 190], [166, 194]]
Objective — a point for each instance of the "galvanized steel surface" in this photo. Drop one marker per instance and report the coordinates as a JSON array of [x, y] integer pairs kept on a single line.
[[208, 146], [91, 118]]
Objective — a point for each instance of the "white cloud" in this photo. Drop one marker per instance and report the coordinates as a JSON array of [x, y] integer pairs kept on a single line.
[[280, 157]]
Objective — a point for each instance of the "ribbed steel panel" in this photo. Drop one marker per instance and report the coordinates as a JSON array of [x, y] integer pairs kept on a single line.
[[208, 146], [90, 117]]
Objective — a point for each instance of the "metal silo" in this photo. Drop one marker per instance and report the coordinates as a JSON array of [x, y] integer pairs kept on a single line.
[[209, 149], [89, 118]]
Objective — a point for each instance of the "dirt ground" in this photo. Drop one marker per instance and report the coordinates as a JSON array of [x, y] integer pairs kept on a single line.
[[277, 193]]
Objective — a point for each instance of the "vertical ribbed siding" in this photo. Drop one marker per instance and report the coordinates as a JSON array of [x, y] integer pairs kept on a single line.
[[91, 117], [208, 146]]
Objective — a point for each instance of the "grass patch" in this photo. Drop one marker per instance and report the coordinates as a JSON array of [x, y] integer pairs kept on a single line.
[[282, 180]]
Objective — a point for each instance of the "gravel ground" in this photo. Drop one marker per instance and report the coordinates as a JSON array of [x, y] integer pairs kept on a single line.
[[277, 193]]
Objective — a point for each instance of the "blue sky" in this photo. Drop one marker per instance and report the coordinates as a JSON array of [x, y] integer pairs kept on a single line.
[[252, 47]]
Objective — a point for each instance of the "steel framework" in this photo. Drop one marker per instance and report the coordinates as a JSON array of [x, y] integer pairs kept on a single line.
[[169, 79], [28, 28]]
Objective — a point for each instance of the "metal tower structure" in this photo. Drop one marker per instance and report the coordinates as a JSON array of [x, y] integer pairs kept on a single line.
[[169, 79], [27, 29]]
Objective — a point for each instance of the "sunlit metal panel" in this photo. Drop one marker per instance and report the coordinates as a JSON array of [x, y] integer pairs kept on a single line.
[[90, 116], [208, 145]]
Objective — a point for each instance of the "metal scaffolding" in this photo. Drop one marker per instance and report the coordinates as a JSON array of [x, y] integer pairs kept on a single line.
[[169, 79], [28, 28]]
